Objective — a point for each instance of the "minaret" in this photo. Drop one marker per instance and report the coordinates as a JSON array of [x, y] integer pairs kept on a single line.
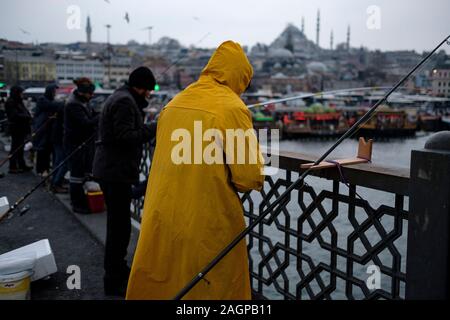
[[331, 40], [303, 25], [88, 30], [289, 44], [348, 38], [318, 28]]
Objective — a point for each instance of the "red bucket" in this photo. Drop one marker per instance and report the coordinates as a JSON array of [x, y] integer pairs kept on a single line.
[[96, 201]]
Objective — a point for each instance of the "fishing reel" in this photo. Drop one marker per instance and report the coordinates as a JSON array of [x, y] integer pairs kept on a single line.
[[5, 209]]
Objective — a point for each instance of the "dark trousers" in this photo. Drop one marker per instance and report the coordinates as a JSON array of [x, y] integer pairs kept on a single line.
[[43, 159], [118, 229], [58, 156], [80, 166], [17, 161]]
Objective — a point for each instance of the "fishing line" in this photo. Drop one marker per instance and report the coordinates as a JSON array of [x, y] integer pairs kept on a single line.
[[182, 57]]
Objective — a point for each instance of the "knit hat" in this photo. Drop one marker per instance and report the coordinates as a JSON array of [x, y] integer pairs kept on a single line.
[[142, 78]]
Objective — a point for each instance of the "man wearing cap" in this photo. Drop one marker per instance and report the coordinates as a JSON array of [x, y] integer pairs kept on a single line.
[[80, 124], [122, 133]]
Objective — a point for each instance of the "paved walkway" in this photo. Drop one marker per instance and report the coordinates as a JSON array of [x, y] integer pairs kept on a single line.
[[72, 243]]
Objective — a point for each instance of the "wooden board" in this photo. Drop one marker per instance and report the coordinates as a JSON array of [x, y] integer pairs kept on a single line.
[[364, 156], [326, 165]]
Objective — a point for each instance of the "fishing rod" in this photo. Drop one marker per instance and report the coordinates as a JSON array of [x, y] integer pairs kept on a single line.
[[311, 95], [23, 198], [27, 140], [300, 180], [182, 57]]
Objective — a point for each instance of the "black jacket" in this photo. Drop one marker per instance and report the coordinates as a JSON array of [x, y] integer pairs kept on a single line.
[[122, 134], [46, 107], [80, 122], [19, 118]]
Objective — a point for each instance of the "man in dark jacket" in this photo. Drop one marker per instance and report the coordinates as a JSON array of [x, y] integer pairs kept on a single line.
[[80, 124], [19, 121], [44, 116], [122, 134]]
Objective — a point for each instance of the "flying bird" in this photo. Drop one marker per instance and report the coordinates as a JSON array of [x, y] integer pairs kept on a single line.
[[127, 17], [107, 1], [24, 31]]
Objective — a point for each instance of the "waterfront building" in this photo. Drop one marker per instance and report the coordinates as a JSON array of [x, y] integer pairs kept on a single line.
[[73, 65], [2, 69], [440, 80], [29, 68]]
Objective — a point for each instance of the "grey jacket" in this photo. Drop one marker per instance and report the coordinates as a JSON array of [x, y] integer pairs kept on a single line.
[[121, 136]]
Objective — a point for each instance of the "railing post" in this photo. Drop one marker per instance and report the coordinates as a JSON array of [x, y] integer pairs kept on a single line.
[[428, 253]]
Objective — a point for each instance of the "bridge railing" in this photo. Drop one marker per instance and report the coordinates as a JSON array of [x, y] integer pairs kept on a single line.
[[330, 240], [334, 240]]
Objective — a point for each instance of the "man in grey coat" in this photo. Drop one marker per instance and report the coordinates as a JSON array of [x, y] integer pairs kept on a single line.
[[122, 133]]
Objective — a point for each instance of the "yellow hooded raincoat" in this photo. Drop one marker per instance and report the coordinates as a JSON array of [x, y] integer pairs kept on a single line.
[[192, 210]]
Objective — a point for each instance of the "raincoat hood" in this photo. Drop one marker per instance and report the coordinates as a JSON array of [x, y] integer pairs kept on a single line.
[[230, 66]]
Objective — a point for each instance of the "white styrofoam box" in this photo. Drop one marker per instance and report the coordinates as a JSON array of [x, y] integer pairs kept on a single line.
[[17, 263], [4, 206], [45, 264]]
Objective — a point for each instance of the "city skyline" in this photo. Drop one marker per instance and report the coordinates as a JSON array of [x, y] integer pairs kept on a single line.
[[206, 25]]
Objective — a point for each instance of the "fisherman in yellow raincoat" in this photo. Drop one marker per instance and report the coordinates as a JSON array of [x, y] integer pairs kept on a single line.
[[192, 210]]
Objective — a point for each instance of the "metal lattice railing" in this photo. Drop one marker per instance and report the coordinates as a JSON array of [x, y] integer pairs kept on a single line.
[[319, 244], [137, 205], [325, 242]]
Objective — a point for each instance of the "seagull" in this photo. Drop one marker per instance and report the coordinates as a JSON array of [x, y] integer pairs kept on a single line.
[[107, 1], [24, 31], [127, 17]]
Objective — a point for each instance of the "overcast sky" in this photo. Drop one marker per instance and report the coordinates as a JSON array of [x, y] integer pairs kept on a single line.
[[404, 24]]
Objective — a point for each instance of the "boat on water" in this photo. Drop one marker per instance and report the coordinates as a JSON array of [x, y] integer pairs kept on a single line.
[[388, 122], [314, 121], [431, 123], [446, 123], [321, 121], [292, 122], [330, 114]]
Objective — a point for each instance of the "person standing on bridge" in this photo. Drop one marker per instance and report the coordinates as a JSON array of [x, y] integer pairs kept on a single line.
[[80, 124], [44, 115], [122, 133], [19, 122], [192, 209]]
